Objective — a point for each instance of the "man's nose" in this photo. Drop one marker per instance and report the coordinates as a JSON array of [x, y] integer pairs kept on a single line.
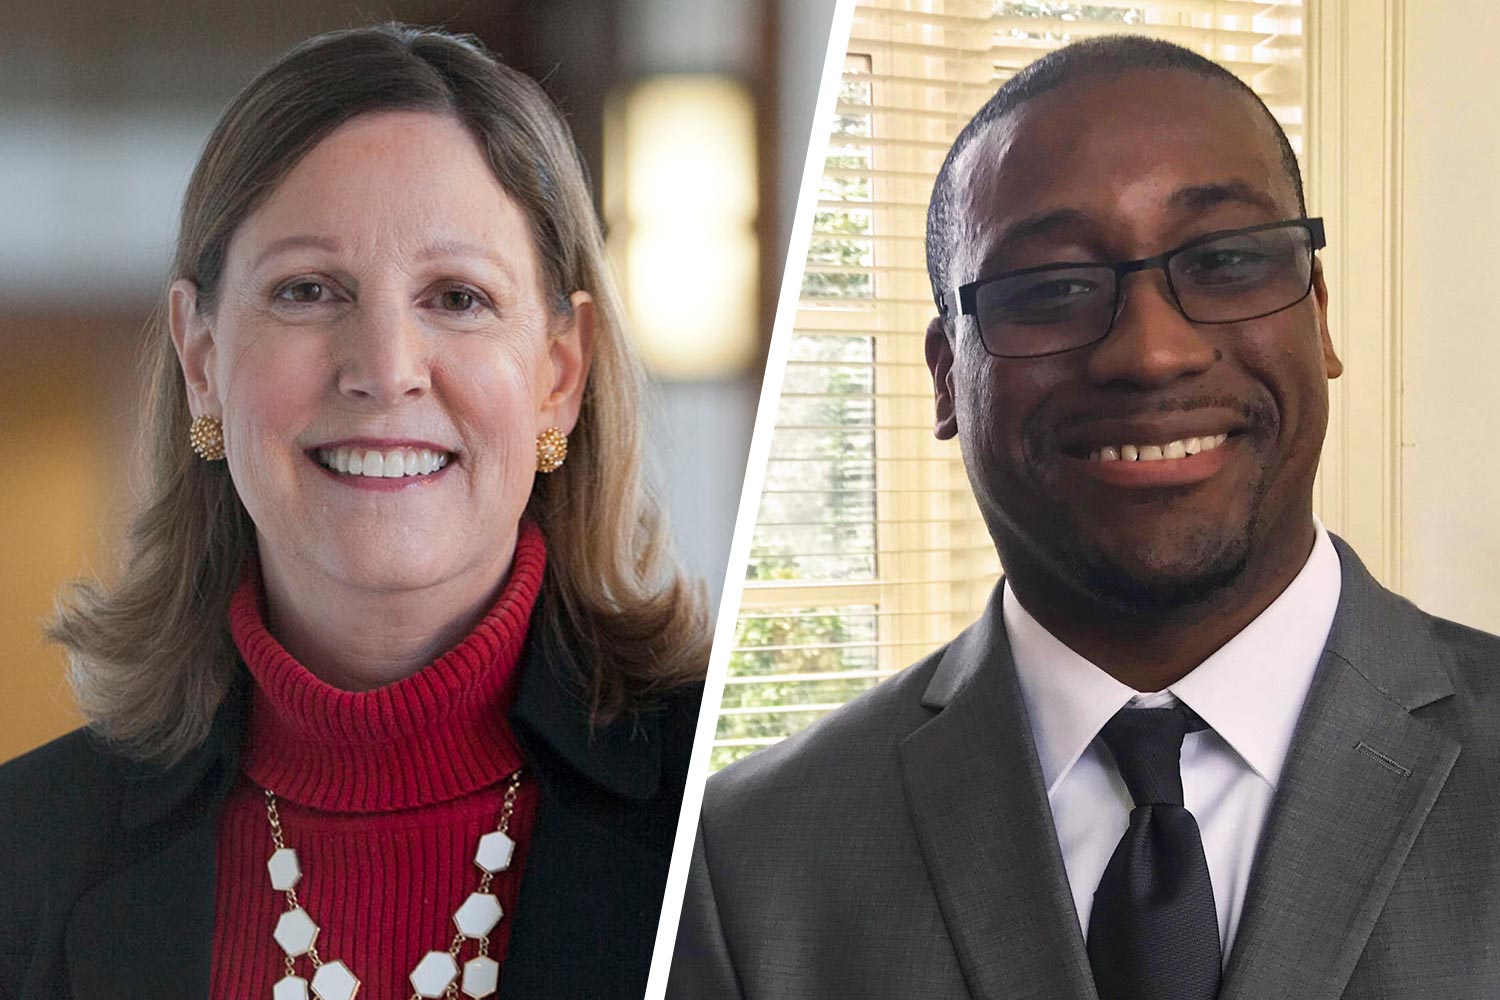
[[385, 356], [1151, 342]]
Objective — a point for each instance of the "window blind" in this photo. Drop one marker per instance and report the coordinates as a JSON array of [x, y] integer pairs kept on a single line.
[[868, 551]]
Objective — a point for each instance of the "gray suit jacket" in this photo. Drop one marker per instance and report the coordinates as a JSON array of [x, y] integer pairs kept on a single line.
[[903, 846]]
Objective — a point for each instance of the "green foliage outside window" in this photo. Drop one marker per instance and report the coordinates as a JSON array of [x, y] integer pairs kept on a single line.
[[784, 647]]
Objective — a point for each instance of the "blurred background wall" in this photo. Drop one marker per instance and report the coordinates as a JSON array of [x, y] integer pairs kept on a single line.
[[103, 109], [1449, 215]]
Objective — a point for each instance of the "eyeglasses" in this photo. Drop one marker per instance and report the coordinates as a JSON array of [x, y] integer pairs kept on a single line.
[[1224, 277]]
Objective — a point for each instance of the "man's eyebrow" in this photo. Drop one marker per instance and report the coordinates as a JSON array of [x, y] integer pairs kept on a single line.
[[294, 242], [1035, 225], [1202, 197]]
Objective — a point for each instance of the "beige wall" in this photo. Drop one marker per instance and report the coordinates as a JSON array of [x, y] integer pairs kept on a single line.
[[1403, 161], [1450, 265]]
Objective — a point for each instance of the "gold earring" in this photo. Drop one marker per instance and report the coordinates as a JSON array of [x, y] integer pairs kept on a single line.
[[551, 450], [206, 435]]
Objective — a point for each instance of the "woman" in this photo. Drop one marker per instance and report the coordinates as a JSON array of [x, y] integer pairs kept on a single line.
[[396, 689]]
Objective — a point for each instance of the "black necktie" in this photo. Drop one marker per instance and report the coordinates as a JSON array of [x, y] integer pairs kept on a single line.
[[1154, 932]]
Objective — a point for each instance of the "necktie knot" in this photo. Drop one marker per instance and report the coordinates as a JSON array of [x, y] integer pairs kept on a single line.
[[1147, 747]]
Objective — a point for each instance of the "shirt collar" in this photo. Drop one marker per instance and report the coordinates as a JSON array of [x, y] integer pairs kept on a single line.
[[1250, 691]]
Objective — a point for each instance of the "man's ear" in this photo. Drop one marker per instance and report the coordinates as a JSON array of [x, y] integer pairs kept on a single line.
[[194, 340], [1331, 362], [571, 350], [940, 363]]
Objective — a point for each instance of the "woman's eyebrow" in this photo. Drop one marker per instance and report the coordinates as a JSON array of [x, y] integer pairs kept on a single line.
[[433, 251], [461, 248], [297, 241]]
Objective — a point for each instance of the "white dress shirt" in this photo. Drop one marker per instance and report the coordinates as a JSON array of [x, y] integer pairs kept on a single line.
[[1250, 693]]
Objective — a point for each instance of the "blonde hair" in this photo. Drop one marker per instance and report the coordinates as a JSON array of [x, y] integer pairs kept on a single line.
[[151, 655]]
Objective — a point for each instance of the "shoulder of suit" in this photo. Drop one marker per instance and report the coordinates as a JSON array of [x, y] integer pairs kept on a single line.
[[1467, 642], [834, 752], [677, 712], [72, 778], [1474, 655]]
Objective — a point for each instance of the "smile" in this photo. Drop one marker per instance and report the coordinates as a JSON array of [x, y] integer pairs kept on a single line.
[[1182, 462], [393, 463], [1156, 452]]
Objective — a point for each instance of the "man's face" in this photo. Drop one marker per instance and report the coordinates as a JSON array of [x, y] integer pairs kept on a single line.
[[1113, 168]]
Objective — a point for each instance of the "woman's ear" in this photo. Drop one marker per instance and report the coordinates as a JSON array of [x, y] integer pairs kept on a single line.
[[194, 341], [570, 349]]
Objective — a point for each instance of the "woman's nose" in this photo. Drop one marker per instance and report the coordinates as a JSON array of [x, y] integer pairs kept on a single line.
[[385, 357]]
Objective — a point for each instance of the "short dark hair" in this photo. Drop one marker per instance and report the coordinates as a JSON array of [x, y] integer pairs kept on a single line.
[[1105, 55]]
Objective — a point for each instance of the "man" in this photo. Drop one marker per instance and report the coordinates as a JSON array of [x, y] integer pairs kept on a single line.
[[1191, 749]]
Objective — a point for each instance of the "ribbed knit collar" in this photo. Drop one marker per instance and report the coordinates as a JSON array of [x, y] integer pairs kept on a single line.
[[431, 737]]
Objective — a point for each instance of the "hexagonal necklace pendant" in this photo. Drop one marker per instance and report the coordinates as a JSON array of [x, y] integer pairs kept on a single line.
[[290, 988], [434, 975]]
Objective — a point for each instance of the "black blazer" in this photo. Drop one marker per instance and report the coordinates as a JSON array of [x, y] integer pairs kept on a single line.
[[107, 866]]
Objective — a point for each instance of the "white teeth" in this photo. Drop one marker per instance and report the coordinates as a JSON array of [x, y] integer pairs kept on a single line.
[[1157, 452], [392, 464]]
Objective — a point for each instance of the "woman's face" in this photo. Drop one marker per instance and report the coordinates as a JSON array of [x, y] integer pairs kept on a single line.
[[382, 313]]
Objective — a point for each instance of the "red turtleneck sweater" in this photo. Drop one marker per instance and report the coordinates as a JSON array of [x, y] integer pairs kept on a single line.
[[384, 795]]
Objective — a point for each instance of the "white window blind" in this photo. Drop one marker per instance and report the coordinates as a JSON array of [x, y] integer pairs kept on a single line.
[[868, 551]]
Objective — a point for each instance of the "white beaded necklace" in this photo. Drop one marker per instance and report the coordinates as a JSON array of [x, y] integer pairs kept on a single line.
[[436, 975]]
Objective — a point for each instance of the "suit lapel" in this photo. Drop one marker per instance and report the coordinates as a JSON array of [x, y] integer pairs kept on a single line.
[[1360, 779], [148, 931], [985, 827], [587, 912], [590, 899]]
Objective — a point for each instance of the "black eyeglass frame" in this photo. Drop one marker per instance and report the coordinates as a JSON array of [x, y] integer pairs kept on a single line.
[[967, 295]]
